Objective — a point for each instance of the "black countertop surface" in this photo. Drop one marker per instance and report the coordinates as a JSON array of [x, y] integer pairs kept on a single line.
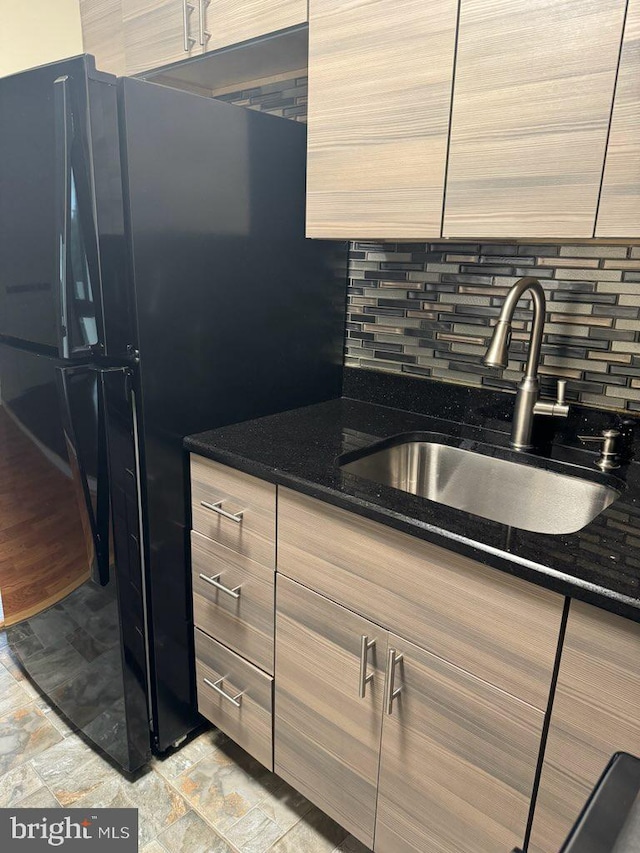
[[599, 564]]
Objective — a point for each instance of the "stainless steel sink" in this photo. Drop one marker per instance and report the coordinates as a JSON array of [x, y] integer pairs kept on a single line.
[[513, 493]]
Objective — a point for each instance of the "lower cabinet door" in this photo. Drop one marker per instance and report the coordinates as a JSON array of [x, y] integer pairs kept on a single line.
[[458, 759], [329, 688]]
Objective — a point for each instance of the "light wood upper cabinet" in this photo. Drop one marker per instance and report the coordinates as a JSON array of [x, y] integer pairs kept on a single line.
[[457, 763], [531, 107], [596, 712], [102, 33], [619, 213], [156, 33], [327, 737], [229, 21], [380, 76]]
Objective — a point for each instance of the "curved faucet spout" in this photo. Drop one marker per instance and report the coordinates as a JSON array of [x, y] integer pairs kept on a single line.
[[497, 356], [498, 348]]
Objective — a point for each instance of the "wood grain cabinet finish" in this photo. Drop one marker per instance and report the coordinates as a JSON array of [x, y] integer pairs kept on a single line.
[[497, 627], [242, 614], [380, 77], [154, 33], [103, 35], [230, 21], [248, 719], [619, 212], [327, 738], [252, 501], [596, 712], [457, 764], [531, 108]]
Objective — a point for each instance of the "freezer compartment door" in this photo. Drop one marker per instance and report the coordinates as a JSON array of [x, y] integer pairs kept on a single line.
[[50, 270], [74, 620]]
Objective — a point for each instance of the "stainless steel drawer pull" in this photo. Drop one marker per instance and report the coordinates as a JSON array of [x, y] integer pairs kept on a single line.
[[365, 645], [217, 507], [214, 580], [390, 691], [205, 35], [188, 40], [215, 685]]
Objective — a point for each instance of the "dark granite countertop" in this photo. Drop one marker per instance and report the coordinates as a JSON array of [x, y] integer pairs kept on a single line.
[[299, 449]]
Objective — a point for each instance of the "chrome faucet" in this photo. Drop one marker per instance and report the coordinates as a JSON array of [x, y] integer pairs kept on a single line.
[[527, 402]]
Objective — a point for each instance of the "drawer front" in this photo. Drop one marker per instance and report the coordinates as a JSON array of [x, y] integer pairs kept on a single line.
[[241, 617], [246, 712], [497, 627], [235, 509]]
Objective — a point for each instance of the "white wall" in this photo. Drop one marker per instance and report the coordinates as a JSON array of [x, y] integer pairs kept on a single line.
[[33, 32]]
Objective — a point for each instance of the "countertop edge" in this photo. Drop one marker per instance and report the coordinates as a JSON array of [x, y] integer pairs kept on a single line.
[[537, 573]]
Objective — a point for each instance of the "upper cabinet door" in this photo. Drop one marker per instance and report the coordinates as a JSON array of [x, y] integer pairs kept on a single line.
[[531, 108], [102, 34], [380, 76], [158, 32], [619, 213], [229, 21]]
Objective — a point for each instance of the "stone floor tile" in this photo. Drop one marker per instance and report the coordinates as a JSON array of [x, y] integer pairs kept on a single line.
[[64, 726], [254, 833], [159, 804], [71, 769], [191, 834], [17, 784], [285, 806], [13, 696], [315, 833], [41, 798], [23, 734], [154, 847], [226, 785], [183, 758], [352, 845]]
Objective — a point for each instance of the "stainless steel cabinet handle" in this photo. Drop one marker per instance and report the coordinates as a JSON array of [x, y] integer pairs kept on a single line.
[[188, 40], [217, 507], [390, 691], [214, 580], [215, 685], [365, 645], [205, 35]]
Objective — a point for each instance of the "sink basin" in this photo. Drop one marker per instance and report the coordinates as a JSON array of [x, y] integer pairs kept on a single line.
[[513, 493]]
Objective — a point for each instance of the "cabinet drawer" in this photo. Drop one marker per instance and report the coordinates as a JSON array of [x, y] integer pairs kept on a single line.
[[244, 623], [497, 627], [245, 711], [235, 509]]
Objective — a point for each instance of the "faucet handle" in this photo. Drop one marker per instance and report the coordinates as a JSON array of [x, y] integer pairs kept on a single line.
[[558, 408], [562, 392]]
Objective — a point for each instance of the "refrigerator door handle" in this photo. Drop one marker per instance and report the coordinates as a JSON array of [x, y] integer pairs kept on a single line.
[[96, 521], [64, 136]]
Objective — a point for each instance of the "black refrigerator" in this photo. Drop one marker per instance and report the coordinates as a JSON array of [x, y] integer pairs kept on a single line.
[[154, 282]]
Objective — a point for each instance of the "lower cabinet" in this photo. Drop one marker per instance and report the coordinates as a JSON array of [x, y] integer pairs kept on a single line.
[[328, 715], [405, 750], [596, 712]]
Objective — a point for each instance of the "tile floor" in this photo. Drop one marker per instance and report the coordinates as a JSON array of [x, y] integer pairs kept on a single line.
[[207, 797]]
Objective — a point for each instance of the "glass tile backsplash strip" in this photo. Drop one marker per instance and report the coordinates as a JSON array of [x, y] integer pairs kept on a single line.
[[426, 309]]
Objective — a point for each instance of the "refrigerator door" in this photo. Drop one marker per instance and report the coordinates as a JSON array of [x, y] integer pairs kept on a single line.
[[64, 599], [50, 276]]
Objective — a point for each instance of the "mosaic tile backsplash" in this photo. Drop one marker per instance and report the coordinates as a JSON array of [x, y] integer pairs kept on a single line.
[[426, 309]]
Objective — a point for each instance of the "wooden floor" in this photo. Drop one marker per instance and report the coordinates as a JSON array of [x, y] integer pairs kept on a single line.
[[43, 554]]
